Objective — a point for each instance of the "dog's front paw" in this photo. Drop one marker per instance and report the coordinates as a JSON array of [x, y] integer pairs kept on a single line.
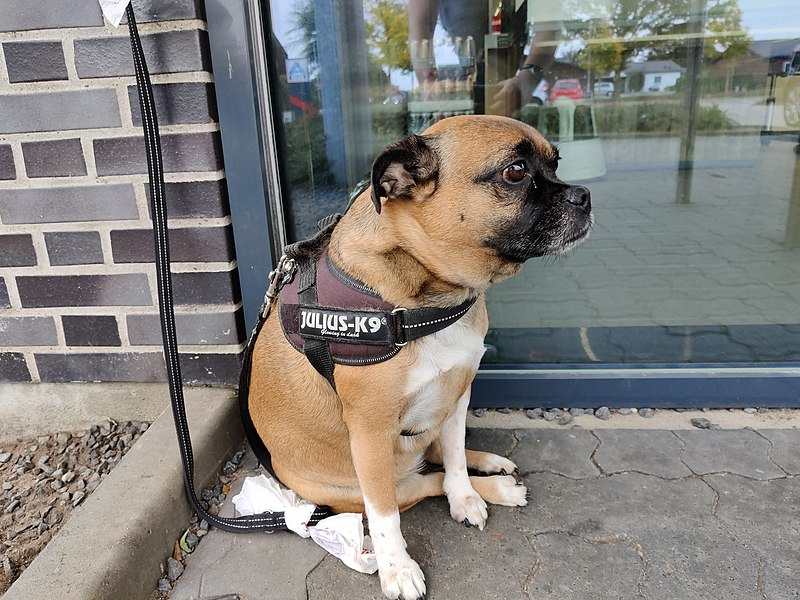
[[469, 509], [403, 579]]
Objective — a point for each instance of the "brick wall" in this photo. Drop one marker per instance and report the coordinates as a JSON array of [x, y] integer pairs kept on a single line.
[[77, 288]]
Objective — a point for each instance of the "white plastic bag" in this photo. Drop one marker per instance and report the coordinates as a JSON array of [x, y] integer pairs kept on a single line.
[[342, 535]]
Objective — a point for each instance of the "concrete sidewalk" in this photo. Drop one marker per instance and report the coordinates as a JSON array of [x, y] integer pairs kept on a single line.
[[654, 514]]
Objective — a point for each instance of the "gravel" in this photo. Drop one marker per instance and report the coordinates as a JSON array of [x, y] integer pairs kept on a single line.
[[174, 569], [603, 413], [211, 499], [45, 478], [534, 413], [565, 419]]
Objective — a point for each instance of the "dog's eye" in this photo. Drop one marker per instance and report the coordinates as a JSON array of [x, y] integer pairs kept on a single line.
[[515, 172]]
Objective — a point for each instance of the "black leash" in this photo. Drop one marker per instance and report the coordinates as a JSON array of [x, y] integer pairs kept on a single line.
[[262, 522]]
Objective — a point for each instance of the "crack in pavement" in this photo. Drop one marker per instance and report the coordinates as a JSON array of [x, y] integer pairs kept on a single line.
[[314, 568], [770, 449], [593, 455]]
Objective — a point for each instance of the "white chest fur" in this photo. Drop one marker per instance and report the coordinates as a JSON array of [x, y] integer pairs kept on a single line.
[[458, 346]]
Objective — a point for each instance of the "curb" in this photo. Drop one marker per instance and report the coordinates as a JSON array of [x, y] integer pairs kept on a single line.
[[114, 544]]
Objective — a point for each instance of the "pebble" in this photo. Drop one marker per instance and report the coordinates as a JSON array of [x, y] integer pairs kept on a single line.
[[701, 423], [750, 411], [534, 413], [625, 411], [57, 518], [479, 412], [174, 569], [565, 419], [164, 585], [42, 528], [504, 411], [5, 457], [7, 486], [69, 477], [8, 567], [646, 412], [78, 498], [603, 413], [576, 412], [762, 410], [549, 416], [191, 540]]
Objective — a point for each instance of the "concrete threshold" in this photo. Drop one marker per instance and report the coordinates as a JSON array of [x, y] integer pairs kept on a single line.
[[114, 544], [662, 419]]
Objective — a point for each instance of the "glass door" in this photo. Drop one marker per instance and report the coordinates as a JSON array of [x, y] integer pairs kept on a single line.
[[681, 116]]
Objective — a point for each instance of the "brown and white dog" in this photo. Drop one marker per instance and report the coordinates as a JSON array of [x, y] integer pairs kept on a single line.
[[449, 213]]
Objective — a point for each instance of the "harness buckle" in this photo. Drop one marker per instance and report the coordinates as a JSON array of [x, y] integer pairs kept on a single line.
[[282, 275], [400, 332]]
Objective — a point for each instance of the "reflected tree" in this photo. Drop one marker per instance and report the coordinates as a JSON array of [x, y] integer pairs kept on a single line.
[[386, 24], [614, 32]]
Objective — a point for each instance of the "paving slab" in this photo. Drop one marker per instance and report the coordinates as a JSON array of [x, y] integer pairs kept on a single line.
[[499, 441], [699, 562], [576, 567], [622, 504], [763, 515], [785, 448], [566, 452], [652, 452], [741, 452]]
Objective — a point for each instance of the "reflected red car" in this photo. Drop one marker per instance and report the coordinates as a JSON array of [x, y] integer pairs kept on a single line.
[[566, 88]]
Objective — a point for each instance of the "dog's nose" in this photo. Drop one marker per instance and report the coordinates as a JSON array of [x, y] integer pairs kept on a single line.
[[580, 197]]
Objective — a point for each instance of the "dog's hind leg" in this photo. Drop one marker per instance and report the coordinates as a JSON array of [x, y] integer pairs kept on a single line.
[[477, 460]]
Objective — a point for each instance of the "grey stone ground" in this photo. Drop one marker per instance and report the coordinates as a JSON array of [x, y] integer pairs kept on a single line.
[[613, 514], [718, 260]]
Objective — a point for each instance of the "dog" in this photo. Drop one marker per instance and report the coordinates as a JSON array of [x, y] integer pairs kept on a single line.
[[448, 213]]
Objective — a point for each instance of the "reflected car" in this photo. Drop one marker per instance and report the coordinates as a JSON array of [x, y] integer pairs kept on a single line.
[[604, 88], [539, 95], [567, 88]]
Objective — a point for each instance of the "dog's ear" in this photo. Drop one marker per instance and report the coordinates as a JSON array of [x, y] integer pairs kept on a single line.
[[402, 167]]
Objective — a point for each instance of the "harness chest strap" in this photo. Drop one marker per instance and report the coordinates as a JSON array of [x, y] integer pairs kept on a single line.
[[342, 321]]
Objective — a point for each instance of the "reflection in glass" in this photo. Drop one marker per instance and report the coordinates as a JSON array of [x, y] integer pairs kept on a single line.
[[683, 117]]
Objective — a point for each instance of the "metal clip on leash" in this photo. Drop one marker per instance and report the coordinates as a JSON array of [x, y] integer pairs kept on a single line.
[[155, 169], [282, 275]]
